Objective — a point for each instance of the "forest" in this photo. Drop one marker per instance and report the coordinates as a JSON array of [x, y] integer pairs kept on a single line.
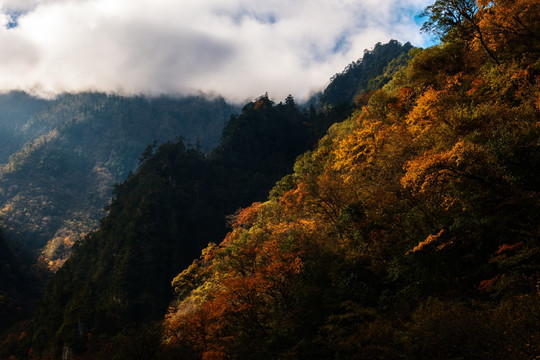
[[395, 218]]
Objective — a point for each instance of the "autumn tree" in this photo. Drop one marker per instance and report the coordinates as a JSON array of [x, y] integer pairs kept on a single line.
[[456, 19], [511, 28]]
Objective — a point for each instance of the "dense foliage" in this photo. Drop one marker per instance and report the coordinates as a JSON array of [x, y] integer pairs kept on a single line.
[[411, 231], [18, 285]]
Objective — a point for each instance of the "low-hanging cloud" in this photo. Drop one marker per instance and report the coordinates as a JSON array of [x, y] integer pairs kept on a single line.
[[236, 48]]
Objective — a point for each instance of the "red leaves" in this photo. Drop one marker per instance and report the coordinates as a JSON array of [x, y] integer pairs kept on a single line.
[[246, 217], [247, 278]]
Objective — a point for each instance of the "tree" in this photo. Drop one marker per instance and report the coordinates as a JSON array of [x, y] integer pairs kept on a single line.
[[510, 27], [455, 19]]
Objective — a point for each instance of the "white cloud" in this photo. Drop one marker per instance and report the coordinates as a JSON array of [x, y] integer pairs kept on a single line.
[[23, 5], [237, 48]]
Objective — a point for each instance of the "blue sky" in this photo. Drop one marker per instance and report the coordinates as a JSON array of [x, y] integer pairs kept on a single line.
[[238, 49]]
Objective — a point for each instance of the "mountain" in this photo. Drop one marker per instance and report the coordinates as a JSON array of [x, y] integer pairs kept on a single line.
[[178, 201], [53, 190], [352, 87], [16, 109], [371, 72], [410, 232]]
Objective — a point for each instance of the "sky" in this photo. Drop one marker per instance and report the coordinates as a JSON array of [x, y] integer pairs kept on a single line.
[[238, 49]]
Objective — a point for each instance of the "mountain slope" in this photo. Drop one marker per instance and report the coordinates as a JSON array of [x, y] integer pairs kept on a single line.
[[352, 87], [54, 190], [157, 223], [371, 72], [16, 109], [411, 231]]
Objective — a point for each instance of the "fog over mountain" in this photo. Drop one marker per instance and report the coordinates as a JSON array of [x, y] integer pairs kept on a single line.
[[237, 49]]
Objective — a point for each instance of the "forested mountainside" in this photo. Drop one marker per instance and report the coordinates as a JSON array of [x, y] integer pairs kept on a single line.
[[411, 232], [352, 87], [158, 222], [53, 190], [160, 218], [16, 109], [359, 77]]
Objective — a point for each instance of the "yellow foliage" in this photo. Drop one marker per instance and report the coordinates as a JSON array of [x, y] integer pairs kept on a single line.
[[509, 26], [371, 142], [435, 168], [427, 112], [67, 241]]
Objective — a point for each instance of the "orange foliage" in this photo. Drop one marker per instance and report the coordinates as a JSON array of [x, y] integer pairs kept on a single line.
[[434, 169], [372, 145], [248, 279], [201, 329], [246, 217], [430, 240], [295, 198], [426, 112], [510, 25]]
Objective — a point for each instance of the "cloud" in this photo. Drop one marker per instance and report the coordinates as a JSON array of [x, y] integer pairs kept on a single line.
[[236, 48]]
